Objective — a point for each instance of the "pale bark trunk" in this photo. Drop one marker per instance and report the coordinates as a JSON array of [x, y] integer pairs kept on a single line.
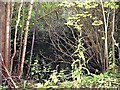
[[113, 40], [15, 37], [105, 62], [7, 36], [21, 39], [32, 47], [2, 17], [25, 38]]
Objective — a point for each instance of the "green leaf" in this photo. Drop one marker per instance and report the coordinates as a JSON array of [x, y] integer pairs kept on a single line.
[[82, 55], [97, 23], [106, 4]]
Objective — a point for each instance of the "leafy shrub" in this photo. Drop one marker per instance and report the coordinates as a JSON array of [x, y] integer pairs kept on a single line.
[[38, 72]]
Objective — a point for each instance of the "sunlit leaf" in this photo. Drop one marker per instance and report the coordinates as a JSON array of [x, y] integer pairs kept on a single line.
[[97, 23], [103, 38], [82, 55]]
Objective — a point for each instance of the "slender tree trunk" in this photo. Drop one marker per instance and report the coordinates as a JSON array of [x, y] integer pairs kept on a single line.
[[15, 38], [33, 40], [5, 10], [113, 40], [2, 23], [105, 62], [7, 35], [25, 38], [21, 39], [2, 27], [31, 52]]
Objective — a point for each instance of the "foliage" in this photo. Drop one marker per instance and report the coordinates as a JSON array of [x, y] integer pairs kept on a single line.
[[86, 20], [38, 72], [90, 24], [106, 80], [2, 87], [24, 86], [78, 77]]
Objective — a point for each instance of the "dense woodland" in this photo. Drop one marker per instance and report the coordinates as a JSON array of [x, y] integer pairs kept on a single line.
[[48, 45]]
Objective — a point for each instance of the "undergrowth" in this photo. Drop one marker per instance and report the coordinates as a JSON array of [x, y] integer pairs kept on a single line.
[[77, 79]]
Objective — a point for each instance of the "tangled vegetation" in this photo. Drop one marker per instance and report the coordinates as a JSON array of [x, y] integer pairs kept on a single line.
[[69, 45]]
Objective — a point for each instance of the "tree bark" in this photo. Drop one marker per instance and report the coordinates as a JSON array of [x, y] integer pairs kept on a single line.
[[5, 18], [25, 38], [106, 61], [7, 35], [15, 37], [113, 40], [2, 17]]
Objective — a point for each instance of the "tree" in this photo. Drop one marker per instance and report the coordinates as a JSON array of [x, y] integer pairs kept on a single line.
[[5, 20], [95, 29], [5, 32], [25, 38]]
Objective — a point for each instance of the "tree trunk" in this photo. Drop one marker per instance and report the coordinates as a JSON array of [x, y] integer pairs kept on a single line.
[[25, 38], [5, 19], [113, 40], [2, 17], [7, 35], [106, 61], [15, 37]]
